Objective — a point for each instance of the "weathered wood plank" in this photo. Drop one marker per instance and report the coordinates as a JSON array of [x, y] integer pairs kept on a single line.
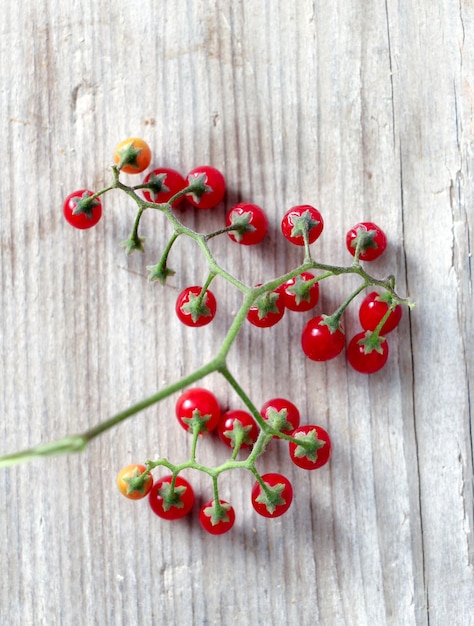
[[364, 110]]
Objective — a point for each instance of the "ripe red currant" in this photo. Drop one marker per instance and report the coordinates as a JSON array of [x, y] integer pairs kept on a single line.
[[237, 428], [171, 503], [163, 184], [210, 189], [372, 238], [275, 499], [198, 405], [299, 220], [281, 414], [299, 294], [267, 310], [373, 309], [217, 519], [193, 309], [321, 342], [316, 450], [80, 211], [365, 355], [250, 222]]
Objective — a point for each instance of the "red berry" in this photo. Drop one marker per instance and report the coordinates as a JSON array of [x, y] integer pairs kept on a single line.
[[198, 405], [316, 450], [300, 219], [298, 295], [237, 428], [281, 414], [217, 519], [168, 503], [164, 184], [373, 309], [320, 342], [267, 310], [211, 189], [250, 221], [80, 211], [365, 355], [274, 501], [193, 310], [373, 239]]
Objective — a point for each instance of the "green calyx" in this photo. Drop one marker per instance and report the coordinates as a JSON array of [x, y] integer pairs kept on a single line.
[[271, 497], [156, 185], [159, 273], [196, 423], [239, 434], [301, 289], [197, 187], [217, 512], [277, 420], [84, 204], [196, 307], [129, 156], [266, 304], [365, 239], [241, 225], [136, 481], [133, 244], [302, 224], [372, 341], [309, 445], [172, 496]]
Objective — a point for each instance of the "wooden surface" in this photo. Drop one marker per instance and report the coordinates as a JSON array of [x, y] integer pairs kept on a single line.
[[364, 109]]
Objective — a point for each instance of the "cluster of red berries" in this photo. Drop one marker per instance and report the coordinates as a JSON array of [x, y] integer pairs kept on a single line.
[[323, 337], [198, 411]]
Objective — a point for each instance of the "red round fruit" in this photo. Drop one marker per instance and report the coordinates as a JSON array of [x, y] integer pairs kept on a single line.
[[279, 498], [164, 184], [193, 311], [318, 451], [372, 310], [213, 187], [202, 401], [235, 426], [267, 310], [171, 504], [363, 357], [299, 219], [282, 414], [251, 221], [374, 244], [217, 520], [81, 212], [320, 342], [298, 297]]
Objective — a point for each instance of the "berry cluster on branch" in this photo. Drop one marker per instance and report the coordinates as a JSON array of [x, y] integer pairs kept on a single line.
[[246, 430]]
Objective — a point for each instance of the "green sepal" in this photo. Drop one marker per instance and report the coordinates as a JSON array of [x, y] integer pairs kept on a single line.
[[310, 444], [301, 288], [156, 185], [266, 304], [366, 238], [136, 481], [241, 224], [159, 272], [196, 421], [172, 497], [197, 187], [217, 512], [302, 224], [239, 434], [277, 419], [84, 204], [371, 342], [273, 498], [196, 307], [129, 156], [132, 244]]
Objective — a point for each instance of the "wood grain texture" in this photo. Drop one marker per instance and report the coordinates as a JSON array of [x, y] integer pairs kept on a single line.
[[364, 109]]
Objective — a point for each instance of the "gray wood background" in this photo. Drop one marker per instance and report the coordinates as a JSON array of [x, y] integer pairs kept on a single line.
[[364, 109]]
